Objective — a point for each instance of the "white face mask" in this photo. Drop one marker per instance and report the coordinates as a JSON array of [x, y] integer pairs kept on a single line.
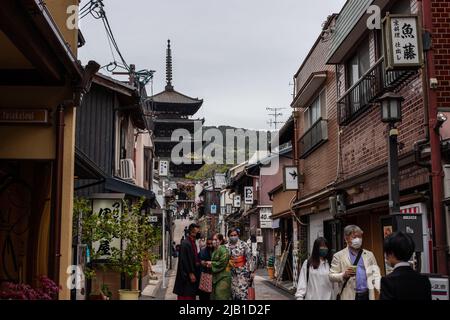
[[356, 243]]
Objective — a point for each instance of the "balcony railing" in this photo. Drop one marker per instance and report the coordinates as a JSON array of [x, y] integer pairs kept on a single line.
[[371, 86], [313, 138]]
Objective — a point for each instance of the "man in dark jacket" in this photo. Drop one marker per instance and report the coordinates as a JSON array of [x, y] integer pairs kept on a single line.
[[186, 281], [403, 283]]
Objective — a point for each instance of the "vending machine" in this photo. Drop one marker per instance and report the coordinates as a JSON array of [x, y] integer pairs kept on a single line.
[[410, 224]]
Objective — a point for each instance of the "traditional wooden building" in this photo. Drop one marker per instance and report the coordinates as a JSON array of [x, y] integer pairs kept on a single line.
[[41, 84], [114, 159]]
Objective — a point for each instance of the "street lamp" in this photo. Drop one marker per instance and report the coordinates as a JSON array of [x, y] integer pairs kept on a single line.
[[391, 113], [391, 108]]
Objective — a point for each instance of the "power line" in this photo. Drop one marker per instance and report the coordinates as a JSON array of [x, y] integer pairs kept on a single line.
[[96, 9]]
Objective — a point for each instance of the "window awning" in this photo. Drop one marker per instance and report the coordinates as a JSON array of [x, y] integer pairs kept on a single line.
[[307, 92], [117, 185]]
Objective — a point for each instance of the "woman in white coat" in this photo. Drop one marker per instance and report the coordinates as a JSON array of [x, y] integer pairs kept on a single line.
[[314, 282]]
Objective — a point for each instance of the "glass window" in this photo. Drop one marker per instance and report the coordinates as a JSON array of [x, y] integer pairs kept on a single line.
[[359, 63], [315, 112]]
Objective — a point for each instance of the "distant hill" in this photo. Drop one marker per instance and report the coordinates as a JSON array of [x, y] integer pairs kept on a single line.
[[207, 170]]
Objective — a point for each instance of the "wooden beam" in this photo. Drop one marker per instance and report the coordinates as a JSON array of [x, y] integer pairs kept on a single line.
[[25, 77], [15, 23]]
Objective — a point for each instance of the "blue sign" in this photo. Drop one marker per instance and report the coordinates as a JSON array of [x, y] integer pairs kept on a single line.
[[213, 209]]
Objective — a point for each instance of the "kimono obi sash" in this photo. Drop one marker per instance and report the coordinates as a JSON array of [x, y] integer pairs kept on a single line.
[[240, 261]]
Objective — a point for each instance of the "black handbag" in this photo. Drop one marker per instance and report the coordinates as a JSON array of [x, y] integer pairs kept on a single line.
[[345, 282]]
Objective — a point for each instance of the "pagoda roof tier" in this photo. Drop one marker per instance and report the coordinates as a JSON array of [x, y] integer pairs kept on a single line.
[[171, 101]]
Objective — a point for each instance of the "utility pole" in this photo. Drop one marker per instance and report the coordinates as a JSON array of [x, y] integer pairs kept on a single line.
[[275, 113], [164, 211]]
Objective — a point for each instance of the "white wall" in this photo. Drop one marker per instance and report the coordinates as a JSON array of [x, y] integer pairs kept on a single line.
[[315, 229], [143, 141]]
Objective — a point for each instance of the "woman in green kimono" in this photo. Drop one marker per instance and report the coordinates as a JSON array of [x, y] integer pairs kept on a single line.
[[220, 270]]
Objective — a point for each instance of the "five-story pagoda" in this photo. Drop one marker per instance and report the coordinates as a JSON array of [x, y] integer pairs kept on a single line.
[[173, 111]]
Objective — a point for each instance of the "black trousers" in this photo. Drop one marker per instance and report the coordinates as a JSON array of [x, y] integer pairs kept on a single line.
[[362, 296], [204, 295]]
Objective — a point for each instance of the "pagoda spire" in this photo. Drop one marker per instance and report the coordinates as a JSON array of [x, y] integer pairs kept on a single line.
[[169, 86]]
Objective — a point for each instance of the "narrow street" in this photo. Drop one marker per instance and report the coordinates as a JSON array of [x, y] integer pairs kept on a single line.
[[264, 289], [315, 136]]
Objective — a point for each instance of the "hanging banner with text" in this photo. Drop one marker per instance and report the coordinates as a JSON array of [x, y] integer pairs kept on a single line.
[[402, 42]]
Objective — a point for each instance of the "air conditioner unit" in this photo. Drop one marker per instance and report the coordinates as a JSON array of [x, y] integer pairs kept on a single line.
[[333, 205], [127, 171]]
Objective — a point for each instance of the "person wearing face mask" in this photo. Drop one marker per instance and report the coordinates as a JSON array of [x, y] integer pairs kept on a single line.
[[314, 283], [403, 283], [189, 267], [242, 269], [219, 267], [355, 269]]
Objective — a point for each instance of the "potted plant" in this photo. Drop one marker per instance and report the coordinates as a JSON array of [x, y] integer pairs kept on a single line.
[[271, 267], [90, 228], [138, 237]]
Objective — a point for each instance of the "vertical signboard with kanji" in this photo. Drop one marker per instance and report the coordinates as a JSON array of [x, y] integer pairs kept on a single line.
[[237, 201], [105, 208], [265, 220], [163, 168], [402, 42], [248, 191]]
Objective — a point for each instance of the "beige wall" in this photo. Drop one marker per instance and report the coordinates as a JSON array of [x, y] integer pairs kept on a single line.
[[143, 141], [28, 142], [58, 10]]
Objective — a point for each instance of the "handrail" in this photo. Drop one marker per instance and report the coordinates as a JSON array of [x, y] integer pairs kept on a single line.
[[313, 127], [364, 77]]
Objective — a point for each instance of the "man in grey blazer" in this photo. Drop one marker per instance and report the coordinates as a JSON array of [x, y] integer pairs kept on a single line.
[[356, 282]]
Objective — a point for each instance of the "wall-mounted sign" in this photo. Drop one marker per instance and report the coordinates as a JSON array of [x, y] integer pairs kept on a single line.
[[106, 207], [153, 219], [402, 42], [163, 168], [237, 201], [213, 209], [248, 195], [265, 220], [439, 287], [290, 178], [222, 210], [229, 209], [24, 116]]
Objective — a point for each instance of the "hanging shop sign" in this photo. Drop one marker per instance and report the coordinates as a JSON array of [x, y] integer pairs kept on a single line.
[[248, 192], [290, 178], [402, 36], [105, 207], [237, 201], [25, 116], [163, 168], [265, 220]]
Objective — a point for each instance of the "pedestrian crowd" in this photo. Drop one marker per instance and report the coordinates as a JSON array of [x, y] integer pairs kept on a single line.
[[215, 269], [353, 273], [223, 269]]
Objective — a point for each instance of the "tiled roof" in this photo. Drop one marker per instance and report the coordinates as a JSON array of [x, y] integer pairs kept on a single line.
[[174, 97]]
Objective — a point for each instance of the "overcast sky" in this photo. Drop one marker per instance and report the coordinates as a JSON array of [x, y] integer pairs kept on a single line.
[[238, 55]]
